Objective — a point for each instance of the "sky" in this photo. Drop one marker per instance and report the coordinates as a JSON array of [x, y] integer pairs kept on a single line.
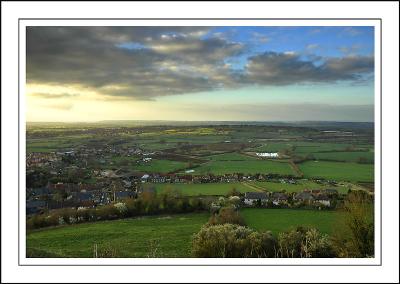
[[247, 73]]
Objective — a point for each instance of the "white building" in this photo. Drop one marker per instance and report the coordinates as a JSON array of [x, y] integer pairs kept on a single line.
[[268, 155]]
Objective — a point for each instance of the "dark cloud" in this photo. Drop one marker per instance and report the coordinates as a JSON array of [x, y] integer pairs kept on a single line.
[[165, 61], [289, 68]]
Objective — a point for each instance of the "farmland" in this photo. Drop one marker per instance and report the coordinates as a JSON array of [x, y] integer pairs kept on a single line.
[[279, 220], [202, 189], [97, 167], [338, 171], [246, 167], [298, 187]]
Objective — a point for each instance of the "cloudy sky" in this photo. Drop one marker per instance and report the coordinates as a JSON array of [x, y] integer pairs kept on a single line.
[[200, 73]]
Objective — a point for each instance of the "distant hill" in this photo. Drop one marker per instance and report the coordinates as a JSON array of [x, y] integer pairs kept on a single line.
[[322, 125]]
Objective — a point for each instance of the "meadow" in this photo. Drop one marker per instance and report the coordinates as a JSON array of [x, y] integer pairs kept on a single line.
[[345, 156], [338, 171], [169, 235], [298, 187], [161, 236], [160, 166], [279, 220], [245, 167]]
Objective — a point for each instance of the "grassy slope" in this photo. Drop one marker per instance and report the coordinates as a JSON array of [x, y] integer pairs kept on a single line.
[[129, 237]]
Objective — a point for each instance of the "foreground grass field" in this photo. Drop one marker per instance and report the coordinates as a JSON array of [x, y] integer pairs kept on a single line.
[[338, 171], [170, 235], [166, 236], [279, 220]]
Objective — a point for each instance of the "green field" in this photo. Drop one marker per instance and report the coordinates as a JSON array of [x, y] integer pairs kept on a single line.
[[231, 157], [338, 171], [299, 186], [194, 189], [171, 235], [245, 167], [129, 237], [345, 156], [279, 220], [160, 166]]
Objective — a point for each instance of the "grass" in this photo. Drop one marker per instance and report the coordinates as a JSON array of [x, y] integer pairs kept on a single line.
[[195, 189], [129, 237], [298, 187], [345, 156], [231, 157], [160, 166], [246, 167], [338, 171], [162, 236], [280, 220]]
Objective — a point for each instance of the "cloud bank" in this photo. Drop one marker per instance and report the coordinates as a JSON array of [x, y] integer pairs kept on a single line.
[[148, 62]]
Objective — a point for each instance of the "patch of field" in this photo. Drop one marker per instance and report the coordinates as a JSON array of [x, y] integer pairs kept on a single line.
[[194, 189], [345, 156], [160, 166], [231, 157], [280, 220], [338, 171], [298, 187], [273, 147], [246, 167], [171, 235]]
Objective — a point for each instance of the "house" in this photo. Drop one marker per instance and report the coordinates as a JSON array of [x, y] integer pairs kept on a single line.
[[331, 191], [251, 197], [304, 197], [279, 198], [121, 195], [145, 177], [323, 199]]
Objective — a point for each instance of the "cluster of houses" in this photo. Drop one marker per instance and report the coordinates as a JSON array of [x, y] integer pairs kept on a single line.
[[41, 159], [58, 195], [308, 197]]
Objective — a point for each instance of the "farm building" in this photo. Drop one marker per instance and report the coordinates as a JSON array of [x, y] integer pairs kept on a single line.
[[251, 197], [323, 199], [279, 198], [268, 155]]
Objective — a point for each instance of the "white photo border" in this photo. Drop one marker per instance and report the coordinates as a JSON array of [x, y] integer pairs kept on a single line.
[[24, 261]]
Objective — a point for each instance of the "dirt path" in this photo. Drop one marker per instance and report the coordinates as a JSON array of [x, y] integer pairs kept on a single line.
[[296, 168], [253, 187]]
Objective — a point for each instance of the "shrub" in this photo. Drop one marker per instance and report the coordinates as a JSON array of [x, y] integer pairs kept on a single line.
[[230, 240], [304, 243], [121, 208], [226, 215], [357, 240]]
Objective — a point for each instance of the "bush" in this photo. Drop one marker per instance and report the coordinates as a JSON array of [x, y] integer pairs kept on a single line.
[[226, 215], [230, 240], [304, 243], [121, 208], [358, 238]]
